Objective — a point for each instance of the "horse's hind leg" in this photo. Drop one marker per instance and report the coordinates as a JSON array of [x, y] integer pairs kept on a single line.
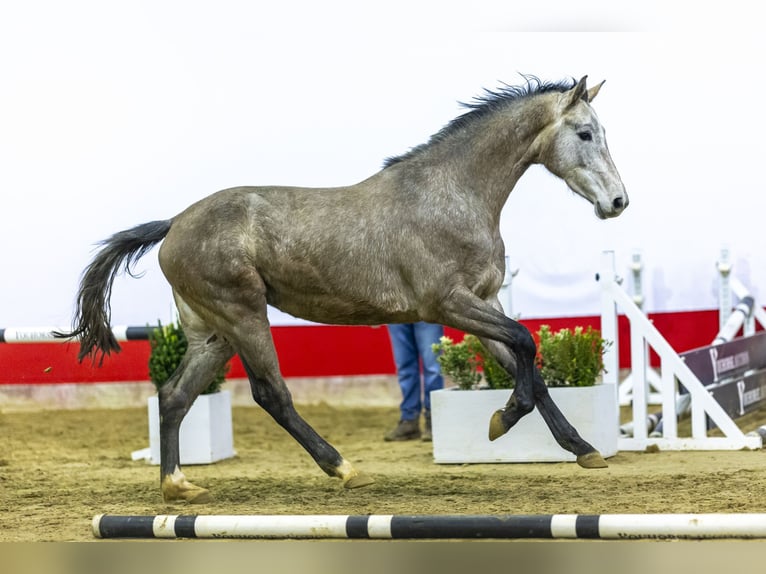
[[270, 392], [205, 356]]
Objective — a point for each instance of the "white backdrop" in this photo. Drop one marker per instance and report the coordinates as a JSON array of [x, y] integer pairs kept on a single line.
[[113, 114]]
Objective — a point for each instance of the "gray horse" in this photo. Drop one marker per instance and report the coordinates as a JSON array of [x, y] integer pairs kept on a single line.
[[417, 241]]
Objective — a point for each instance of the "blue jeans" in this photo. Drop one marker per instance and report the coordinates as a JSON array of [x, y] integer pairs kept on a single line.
[[411, 344]]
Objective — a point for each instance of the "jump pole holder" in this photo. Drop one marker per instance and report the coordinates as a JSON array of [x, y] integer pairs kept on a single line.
[[572, 526], [643, 333], [728, 325], [652, 377]]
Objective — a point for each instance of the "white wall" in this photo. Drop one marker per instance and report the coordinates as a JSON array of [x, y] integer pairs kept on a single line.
[[113, 114]]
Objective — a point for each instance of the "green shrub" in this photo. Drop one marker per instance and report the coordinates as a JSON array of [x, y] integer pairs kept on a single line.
[[168, 343], [570, 358], [465, 361], [459, 360], [565, 359]]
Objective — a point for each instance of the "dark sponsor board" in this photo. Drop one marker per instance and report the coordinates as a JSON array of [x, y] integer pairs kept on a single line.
[[740, 396], [734, 373], [727, 360]]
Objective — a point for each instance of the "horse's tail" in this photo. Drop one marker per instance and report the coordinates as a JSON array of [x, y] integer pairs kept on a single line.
[[93, 311]]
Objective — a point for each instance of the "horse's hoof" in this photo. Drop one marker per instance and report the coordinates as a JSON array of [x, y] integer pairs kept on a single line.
[[195, 495], [592, 460], [359, 480], [201, 496], [175, 488], [497, 427]]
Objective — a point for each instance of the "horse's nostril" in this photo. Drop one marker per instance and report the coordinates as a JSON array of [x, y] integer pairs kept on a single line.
[[618, 203]]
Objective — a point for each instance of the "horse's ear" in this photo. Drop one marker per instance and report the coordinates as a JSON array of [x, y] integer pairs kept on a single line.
[[579, 92], [592, 92]]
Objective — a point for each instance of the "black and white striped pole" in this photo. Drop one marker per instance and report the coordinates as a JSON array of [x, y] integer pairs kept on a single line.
[[572, 526]]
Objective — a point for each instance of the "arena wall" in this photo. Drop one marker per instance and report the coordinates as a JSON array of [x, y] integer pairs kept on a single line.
[[315, 351]]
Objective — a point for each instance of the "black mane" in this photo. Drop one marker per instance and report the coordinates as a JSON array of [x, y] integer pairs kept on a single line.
[[487, 103]]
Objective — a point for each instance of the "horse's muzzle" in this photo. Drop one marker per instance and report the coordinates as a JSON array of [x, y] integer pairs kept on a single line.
[[613, 209]]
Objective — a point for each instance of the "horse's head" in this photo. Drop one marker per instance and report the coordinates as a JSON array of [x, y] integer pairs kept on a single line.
[[574, 148]]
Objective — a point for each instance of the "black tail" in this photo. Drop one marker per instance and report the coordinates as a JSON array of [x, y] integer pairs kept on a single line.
[[92, 322]]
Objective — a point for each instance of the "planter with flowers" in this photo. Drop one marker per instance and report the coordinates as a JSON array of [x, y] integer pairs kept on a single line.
[[571, 364], [206, 432]]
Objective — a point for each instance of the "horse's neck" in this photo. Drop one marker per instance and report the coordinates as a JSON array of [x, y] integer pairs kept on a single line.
[[489, 158]]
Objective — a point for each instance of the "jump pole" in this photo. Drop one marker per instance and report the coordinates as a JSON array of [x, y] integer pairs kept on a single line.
[[568, 526], [45, 334]]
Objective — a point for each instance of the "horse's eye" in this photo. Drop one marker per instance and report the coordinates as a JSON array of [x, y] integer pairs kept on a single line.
[[585, 136]]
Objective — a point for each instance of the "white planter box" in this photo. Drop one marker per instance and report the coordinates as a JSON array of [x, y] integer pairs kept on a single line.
[[460, 421], [206, 431]]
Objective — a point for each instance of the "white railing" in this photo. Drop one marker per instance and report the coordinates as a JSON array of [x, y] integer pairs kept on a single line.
[[672, 369]]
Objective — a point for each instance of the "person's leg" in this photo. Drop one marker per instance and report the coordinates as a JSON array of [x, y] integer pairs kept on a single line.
[[404, 347], [427, 335]]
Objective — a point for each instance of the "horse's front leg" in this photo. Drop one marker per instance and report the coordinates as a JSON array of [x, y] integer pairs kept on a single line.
[[509, 341], [504, 419], [564, 433], [522, 399], [514, 348]]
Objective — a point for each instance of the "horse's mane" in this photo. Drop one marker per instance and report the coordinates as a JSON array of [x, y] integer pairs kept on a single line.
[[490, 101]]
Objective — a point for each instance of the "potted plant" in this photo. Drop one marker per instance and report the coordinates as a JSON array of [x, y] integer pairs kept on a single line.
[[571, 363], [206, 431]]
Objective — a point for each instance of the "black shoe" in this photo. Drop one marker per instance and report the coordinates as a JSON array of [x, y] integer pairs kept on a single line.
[[405, 430], [427, 436]]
